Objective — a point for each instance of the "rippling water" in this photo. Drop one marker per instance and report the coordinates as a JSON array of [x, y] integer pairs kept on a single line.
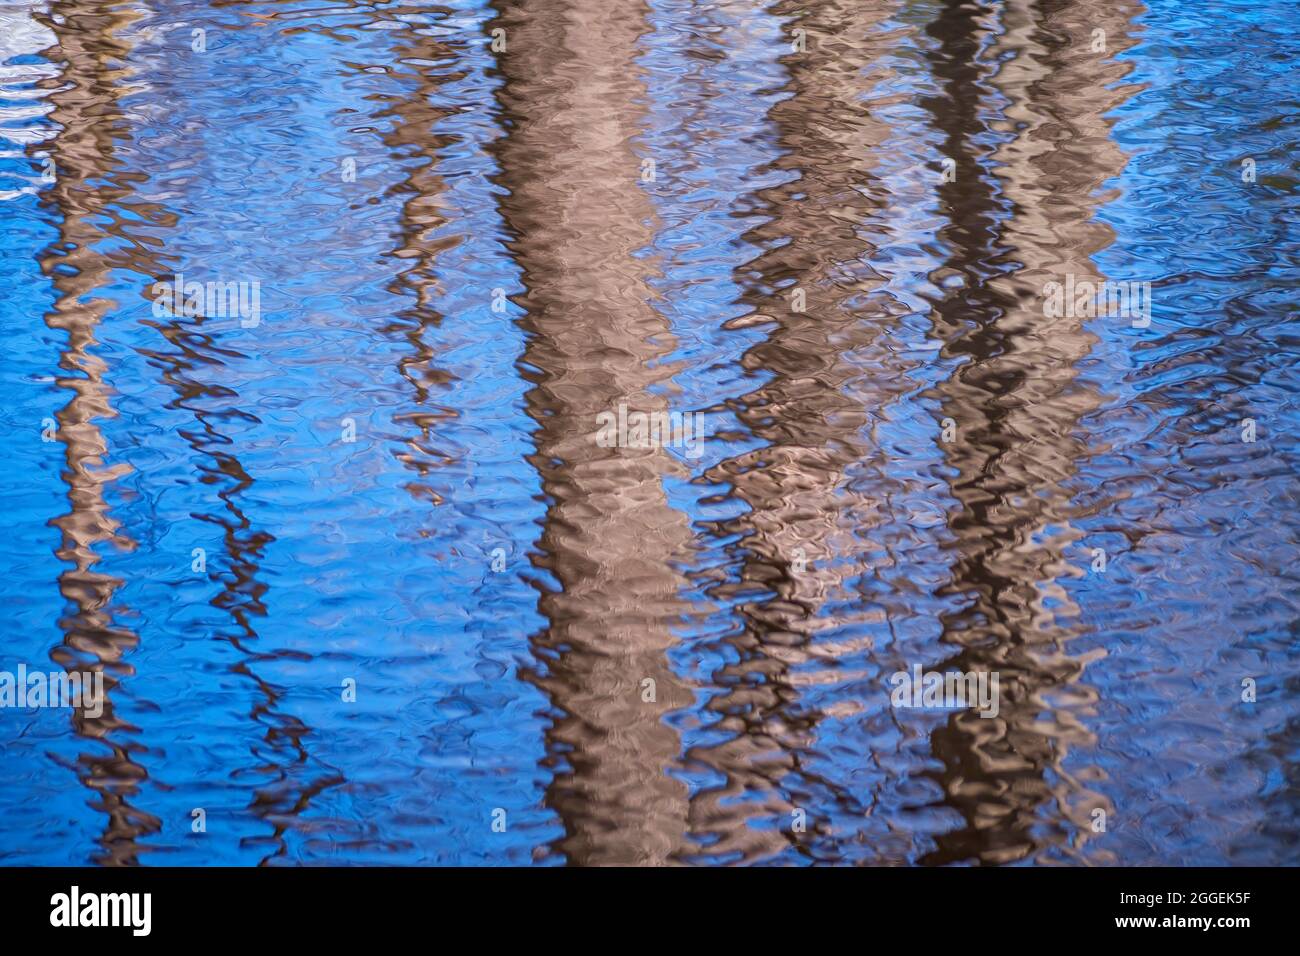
[[476, 227]]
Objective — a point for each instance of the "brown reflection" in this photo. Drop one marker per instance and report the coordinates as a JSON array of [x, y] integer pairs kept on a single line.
[[284, 757], [85, 101], [825, 372], [289, 776], [1017, 406], [572, 102], [415, 115], [91, 185]]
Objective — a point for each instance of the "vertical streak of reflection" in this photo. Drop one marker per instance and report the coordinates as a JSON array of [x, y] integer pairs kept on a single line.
[[85, 106], [573, 101], [799, 540], [415, 116], [288, 775], [243, 590], [1022, 213]]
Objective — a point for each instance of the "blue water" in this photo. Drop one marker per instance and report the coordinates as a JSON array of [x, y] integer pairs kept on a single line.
[[500, 271]]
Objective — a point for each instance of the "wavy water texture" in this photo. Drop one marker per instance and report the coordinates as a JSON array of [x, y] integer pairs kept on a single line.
[[366, 584]]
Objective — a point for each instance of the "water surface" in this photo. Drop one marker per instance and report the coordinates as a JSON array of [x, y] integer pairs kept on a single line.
[[828, 229]]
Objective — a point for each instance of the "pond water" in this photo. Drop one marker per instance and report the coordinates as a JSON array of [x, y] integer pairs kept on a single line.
[[363, 586]]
